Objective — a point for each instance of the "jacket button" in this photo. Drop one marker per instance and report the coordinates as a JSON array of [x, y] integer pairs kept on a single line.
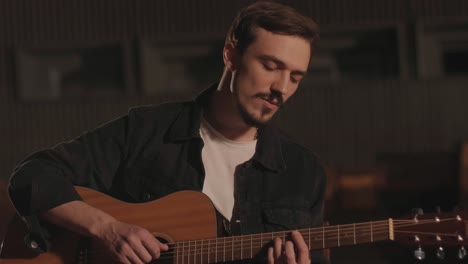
[[147, 197]]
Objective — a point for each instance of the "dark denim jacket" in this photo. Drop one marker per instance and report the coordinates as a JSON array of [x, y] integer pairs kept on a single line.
[[156, 150]]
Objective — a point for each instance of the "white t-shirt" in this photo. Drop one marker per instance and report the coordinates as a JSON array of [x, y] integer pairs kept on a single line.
[[221, 157]]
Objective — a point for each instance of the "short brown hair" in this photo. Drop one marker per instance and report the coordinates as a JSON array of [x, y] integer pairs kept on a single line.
[[273, 17]]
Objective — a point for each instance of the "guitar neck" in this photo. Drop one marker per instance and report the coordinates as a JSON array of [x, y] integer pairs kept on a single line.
[[247, 246], [349, 234]]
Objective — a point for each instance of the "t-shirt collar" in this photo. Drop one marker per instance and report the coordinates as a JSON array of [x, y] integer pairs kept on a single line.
[[268, 152]]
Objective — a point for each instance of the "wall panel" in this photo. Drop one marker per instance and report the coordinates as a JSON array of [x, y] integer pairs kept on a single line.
[[350, 124], [347, 124]]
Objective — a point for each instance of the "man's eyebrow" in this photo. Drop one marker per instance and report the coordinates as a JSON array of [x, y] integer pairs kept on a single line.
[[280, 63]]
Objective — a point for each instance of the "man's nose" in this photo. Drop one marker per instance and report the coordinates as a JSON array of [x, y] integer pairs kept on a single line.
[[281, 84]]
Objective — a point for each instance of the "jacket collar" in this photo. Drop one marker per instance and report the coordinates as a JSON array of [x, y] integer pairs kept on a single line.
[[268, 151], [187, 124]]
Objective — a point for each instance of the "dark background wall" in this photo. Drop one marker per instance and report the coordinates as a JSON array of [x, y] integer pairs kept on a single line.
[[352, 124], [347, 122]]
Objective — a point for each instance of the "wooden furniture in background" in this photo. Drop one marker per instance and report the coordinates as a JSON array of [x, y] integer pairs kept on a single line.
[[359, 190]]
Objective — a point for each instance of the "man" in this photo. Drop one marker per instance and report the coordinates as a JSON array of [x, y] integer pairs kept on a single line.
[[221, 144]]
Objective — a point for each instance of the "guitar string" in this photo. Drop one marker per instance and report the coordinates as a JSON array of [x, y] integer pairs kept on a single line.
[[233, 242], [254, 245], [215, 241], [428, 233], [376, 231], [410, 223], [191, 252], [202, 252], [343, 228], [210, 255], [319, 230]]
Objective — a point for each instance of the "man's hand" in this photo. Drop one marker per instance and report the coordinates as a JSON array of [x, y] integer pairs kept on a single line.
[[126, 243], [129, 243], [286, 252]]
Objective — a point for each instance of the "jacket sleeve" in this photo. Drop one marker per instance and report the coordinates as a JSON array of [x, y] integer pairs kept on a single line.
[[46, 178]]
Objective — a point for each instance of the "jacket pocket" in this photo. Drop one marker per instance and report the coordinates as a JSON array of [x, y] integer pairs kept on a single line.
[[141, 189], [286, 218]]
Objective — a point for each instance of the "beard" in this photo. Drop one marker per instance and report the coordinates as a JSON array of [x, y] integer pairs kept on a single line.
[[250, 119], [265, 114]]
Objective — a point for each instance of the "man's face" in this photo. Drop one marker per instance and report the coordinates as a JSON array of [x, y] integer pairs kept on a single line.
[[268, 73]]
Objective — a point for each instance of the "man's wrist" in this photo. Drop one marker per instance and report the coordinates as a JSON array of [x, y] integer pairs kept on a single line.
[[100, 224]]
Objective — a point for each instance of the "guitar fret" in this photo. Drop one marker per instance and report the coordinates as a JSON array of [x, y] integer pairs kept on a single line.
[[365, 230], [261, 239], [224, 250], [242, 249], [338, 237], [232, 249], [201, 252], [371, 232], [354, 233], [348, 236], [323, 236], [251, 245], [177, 252], [183, 253]]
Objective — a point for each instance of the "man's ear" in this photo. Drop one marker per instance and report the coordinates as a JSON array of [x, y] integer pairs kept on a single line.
[[231, 56]]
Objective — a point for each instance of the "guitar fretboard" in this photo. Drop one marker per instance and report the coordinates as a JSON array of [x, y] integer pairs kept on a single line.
[[247, 246]]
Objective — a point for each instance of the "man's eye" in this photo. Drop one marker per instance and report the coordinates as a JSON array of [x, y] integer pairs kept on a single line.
[[295, 79], [268, 68]]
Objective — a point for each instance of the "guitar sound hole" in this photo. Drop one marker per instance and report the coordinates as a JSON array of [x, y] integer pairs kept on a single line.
[[166, 257]]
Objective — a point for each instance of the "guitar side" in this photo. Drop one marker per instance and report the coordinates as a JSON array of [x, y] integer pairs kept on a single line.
[[185, 215]]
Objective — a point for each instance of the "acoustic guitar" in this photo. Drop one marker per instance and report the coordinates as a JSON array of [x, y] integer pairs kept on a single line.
[[186, 220]]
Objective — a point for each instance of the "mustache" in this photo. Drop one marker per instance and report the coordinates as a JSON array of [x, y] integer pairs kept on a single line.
[[272, 97]]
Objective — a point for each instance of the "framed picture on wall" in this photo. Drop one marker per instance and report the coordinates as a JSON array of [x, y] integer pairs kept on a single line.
[[179, 66], [442, 48], [359, 52], [56, 73]]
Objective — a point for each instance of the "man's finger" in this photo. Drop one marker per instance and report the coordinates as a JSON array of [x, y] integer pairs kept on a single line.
[[132, 256], [278, 245], [290, 255], [271, 258], [137, 245], [152, 245], [152, 248], [301, 246], [162, 246]]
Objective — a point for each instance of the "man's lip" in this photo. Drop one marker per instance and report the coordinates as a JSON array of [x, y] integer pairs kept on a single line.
[[272, 102]]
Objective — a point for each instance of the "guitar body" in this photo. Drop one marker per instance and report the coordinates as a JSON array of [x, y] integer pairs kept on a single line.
[[185, 215]]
